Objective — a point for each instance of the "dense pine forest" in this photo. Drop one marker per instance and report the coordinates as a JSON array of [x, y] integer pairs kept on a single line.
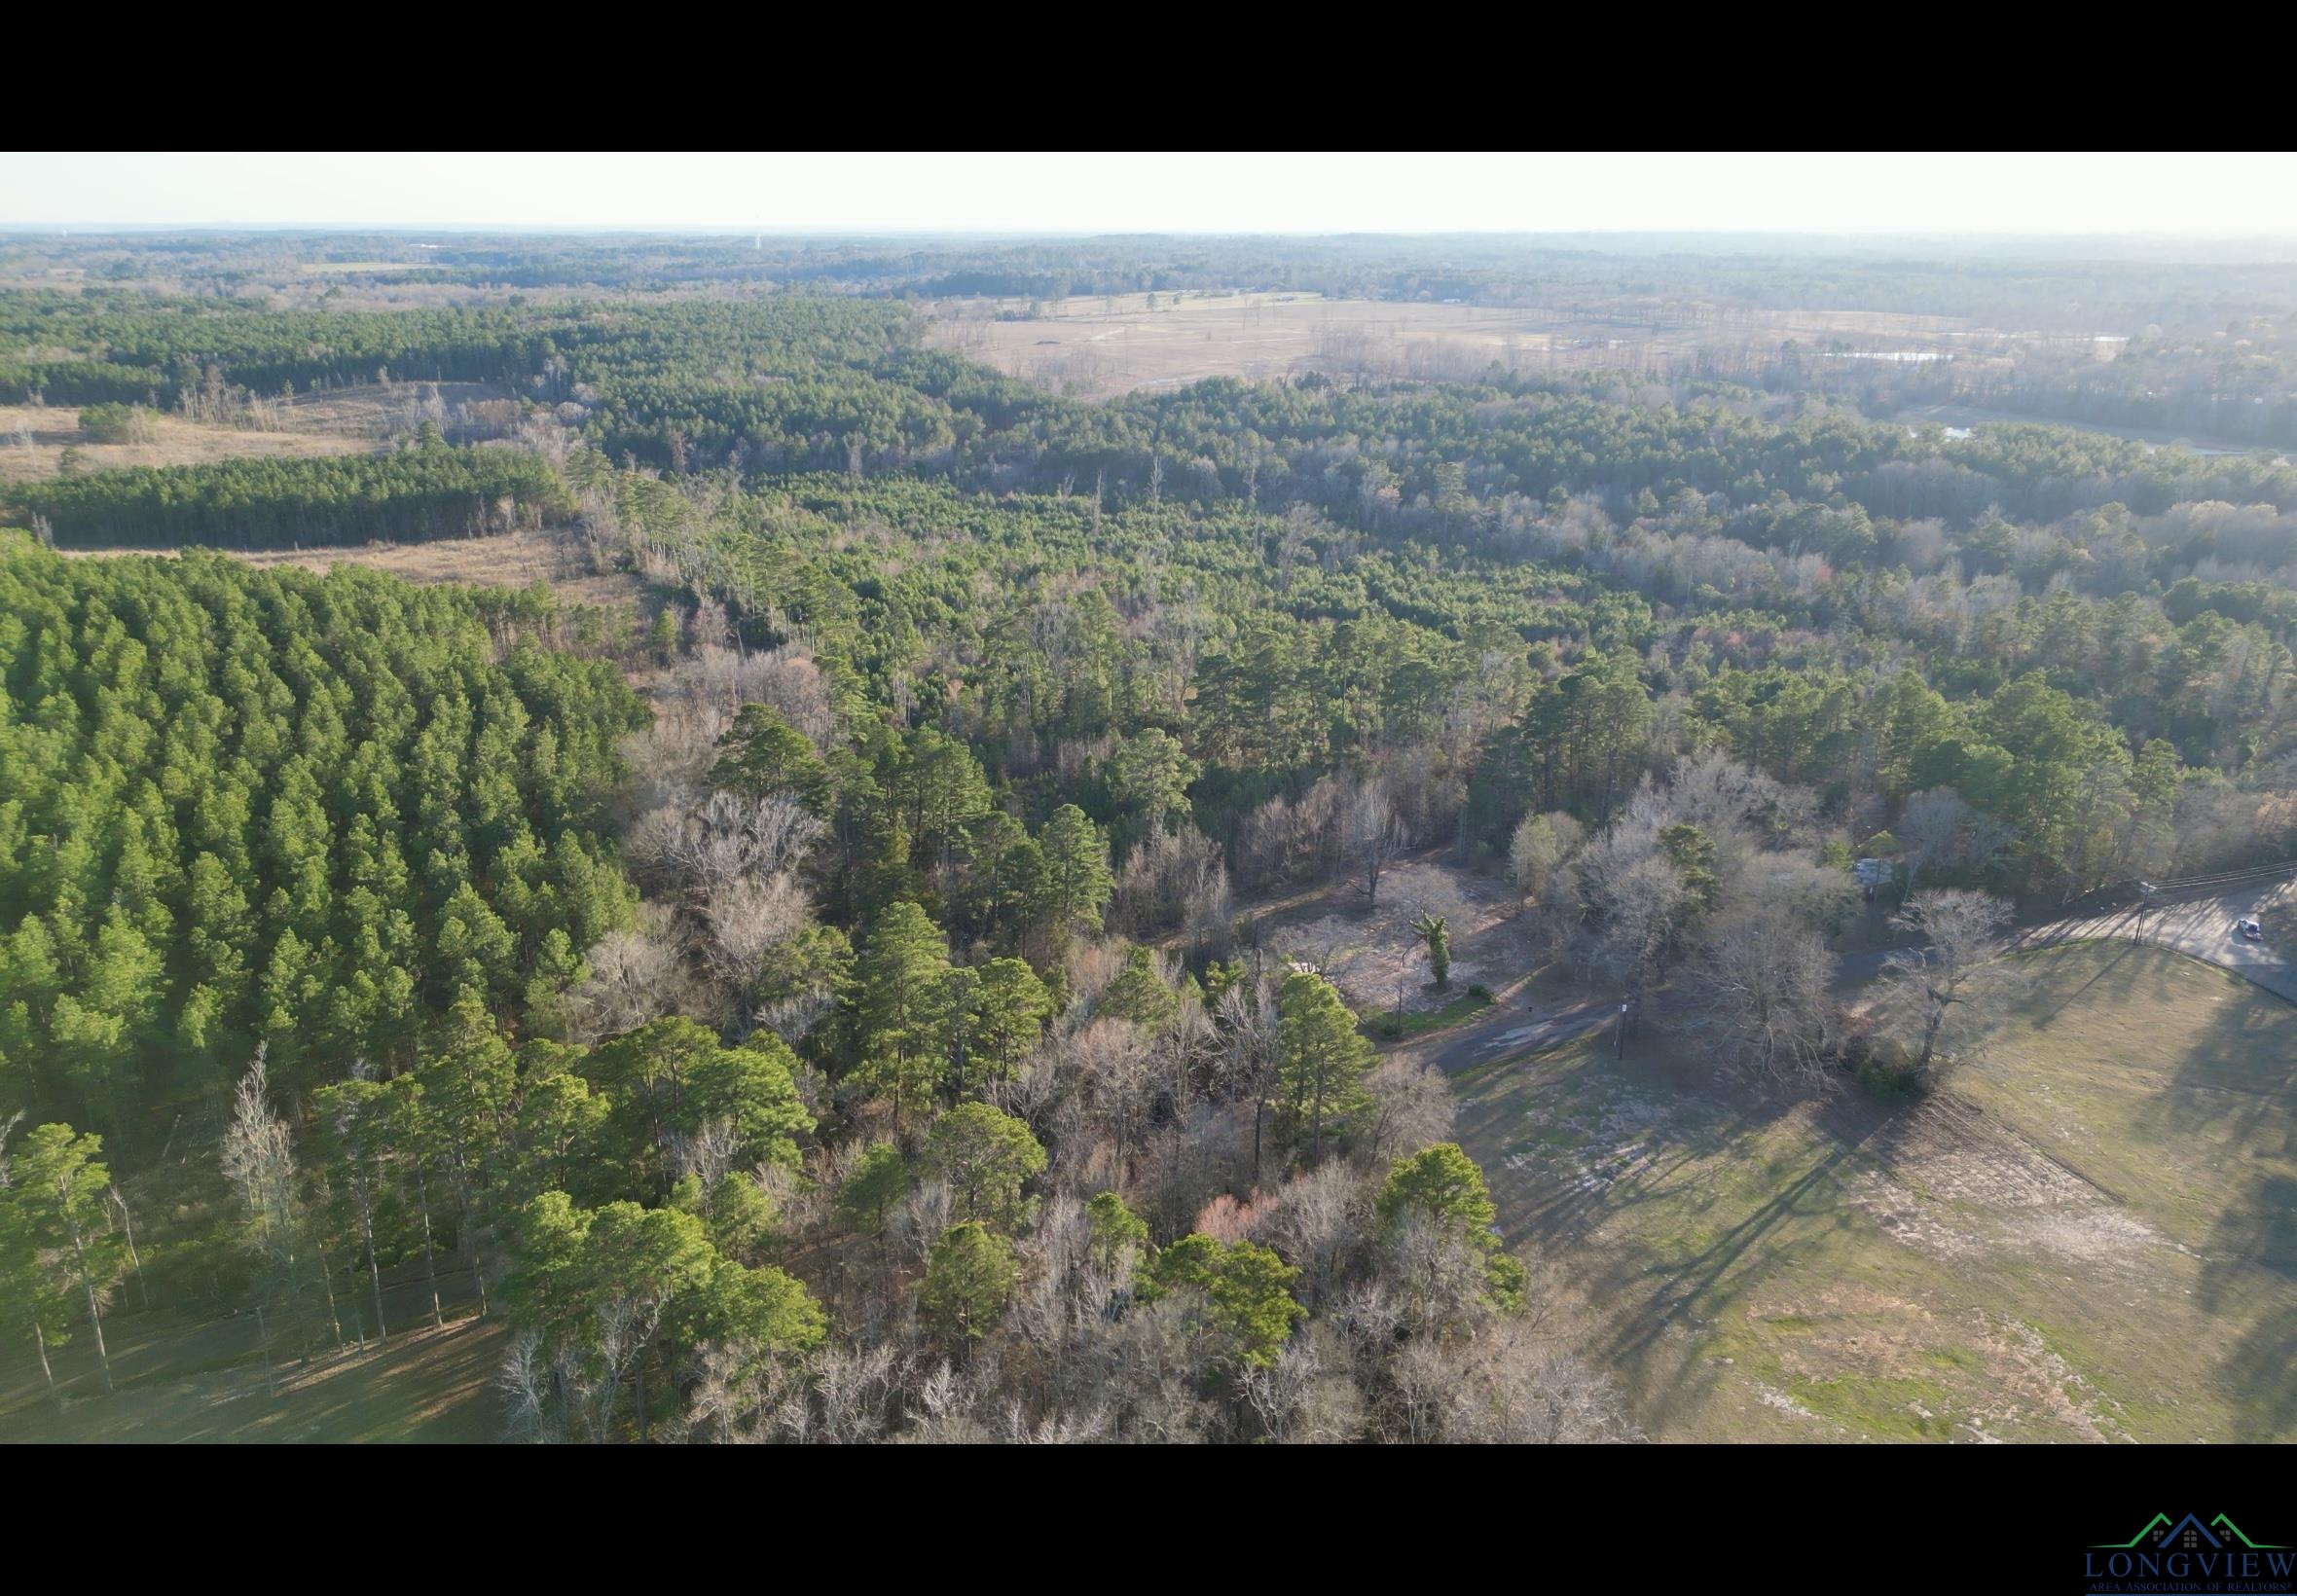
[[825, 998], [414, 494], [270, 809]]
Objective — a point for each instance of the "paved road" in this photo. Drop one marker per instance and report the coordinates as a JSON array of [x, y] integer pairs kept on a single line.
[[2201, 928], [2204, 929]]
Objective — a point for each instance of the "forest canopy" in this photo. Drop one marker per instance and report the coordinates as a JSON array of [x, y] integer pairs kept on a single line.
[[831, 992], [242, 806]]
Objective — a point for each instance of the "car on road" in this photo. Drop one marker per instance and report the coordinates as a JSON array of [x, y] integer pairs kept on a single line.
[[2250, 930]]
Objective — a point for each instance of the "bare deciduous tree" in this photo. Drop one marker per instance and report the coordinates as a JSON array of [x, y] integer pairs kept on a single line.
[[525, 1382], [1321, 1219], [1949, 992], [1173, 878], [1248, 1021], [748, 916], [1372, 836], [634, 976], [721, 838], [258, 1157], [1507, 1386], [1759, 992], [1306, 1397], [1412, 1108]]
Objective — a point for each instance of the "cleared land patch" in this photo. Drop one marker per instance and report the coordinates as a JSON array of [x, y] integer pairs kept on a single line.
[[377, 411], [1097, 346], [504, 559], [2092, 1235], [1375, 958], [348, 420], [51, 429]]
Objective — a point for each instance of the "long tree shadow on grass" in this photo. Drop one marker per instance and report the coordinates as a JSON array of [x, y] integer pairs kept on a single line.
[[1699, 1290], [2238, 1083], [2226, 1119], [1681, 1130], [2069, 1000], [2252, 1264], [1671, 1116]]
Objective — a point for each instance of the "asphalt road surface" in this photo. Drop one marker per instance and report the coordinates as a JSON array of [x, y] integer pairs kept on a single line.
[[2204, 929]]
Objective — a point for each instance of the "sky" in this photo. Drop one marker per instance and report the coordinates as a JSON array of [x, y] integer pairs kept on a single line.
[[2239, 195]]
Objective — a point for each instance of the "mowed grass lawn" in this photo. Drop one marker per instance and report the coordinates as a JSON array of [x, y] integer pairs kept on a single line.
[[2090, 1236], [201, 1378], [427, 1385]]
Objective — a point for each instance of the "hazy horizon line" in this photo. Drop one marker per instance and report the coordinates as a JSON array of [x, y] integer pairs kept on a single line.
[[795, 230]]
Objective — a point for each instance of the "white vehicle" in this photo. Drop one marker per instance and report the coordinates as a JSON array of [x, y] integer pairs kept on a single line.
[[2250, 930]]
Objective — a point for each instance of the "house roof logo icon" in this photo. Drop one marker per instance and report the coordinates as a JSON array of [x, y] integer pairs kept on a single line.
[[2213, 1535]]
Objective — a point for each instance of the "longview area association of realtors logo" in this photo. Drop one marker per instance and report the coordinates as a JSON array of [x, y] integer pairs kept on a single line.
[[2214, 1558]]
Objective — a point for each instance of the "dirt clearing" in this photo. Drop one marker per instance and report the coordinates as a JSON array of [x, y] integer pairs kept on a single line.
[[1375, 957]]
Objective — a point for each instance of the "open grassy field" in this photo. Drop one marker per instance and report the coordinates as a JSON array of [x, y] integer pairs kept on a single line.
[[1097, 346], [374, 410], [348, 420], [425, 1386], [505, 559], [53, 428], [197, 1374], [2091, 1236], [431, 1386]]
